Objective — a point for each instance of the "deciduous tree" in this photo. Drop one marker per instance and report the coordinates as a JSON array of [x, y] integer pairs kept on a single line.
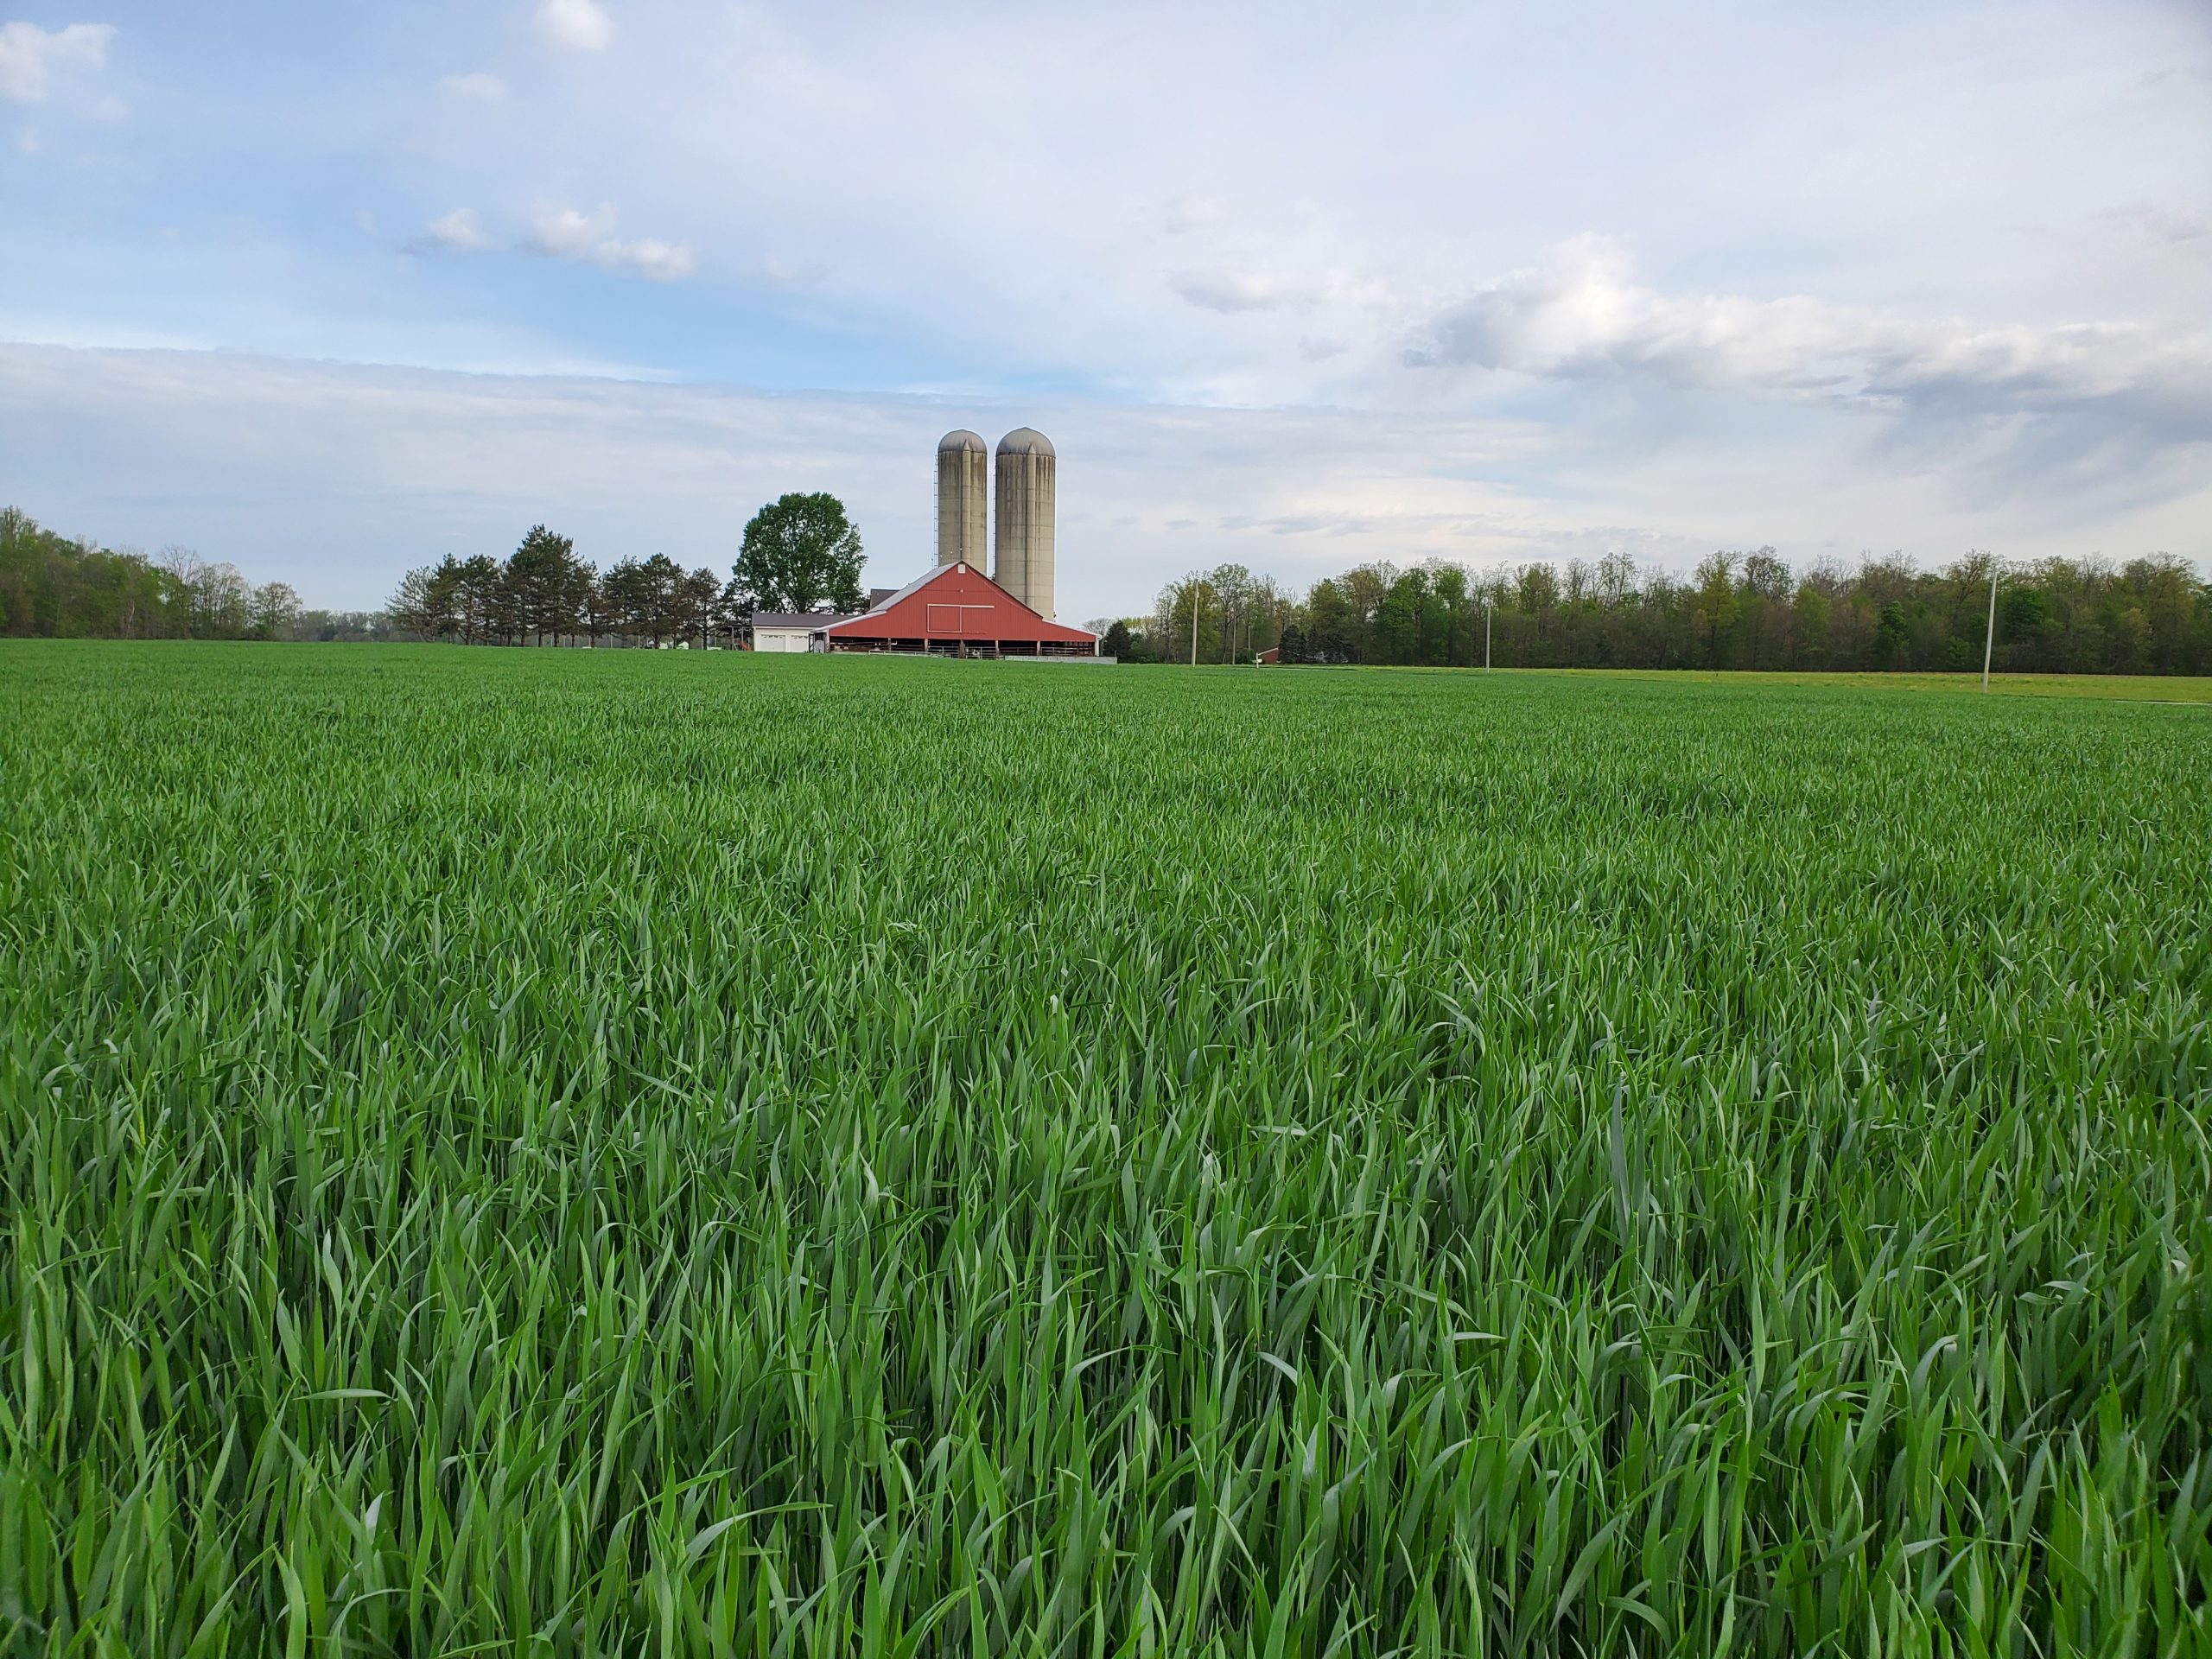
[[276, 610], [800, 553]]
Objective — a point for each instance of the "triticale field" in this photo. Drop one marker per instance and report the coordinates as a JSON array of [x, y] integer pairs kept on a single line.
[[559, 1153]]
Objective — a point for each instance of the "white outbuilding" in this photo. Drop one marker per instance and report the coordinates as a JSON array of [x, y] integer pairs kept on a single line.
[[789, 630]]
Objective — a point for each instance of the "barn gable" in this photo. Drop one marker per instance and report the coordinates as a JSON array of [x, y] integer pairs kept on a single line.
[[955, 606]]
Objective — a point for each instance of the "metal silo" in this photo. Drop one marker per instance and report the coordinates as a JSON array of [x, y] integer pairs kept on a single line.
[[1026, 506], [964, 491]]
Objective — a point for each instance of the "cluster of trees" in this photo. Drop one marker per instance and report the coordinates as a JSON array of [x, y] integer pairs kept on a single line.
[[543, 594], [799, 553], [1237, 615], [52, 586], [1746, 610]]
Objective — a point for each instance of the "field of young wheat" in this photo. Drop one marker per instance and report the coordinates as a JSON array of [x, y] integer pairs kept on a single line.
[[571, 1154]]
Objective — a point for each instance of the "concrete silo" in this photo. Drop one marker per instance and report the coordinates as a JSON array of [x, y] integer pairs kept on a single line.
[[963, 490], [1026, 506]]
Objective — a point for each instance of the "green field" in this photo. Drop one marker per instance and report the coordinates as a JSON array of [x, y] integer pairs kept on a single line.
[[2133, 688], [569, 1153]]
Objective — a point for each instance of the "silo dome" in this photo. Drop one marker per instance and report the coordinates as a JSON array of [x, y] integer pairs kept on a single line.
[[1025, 441], [964, 491]]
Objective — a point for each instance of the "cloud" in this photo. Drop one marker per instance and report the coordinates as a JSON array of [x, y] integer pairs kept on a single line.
[[1231, 288], [435, 462], [582, 25], [231, 454], [1185, 259], [27, 52], [1187, 213], [565, 233], [458, 231], [2163, 224], [781, 274], [1582, 316], [483, 87]]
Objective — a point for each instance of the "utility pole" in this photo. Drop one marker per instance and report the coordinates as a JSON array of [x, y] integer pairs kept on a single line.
[[1486, 618], [1989, 638], [1194, 621]]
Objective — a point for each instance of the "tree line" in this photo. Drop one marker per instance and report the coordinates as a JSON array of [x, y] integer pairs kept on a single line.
[[1737, 610], [52, 587], [799, 553]]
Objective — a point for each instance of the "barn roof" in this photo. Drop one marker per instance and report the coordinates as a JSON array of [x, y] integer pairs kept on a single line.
[[1011, 618], [892, 595]]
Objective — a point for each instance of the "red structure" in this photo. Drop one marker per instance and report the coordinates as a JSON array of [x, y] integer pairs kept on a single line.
[[956, 610]]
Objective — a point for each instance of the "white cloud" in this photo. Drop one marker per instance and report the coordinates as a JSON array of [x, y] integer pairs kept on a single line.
[[111, 109], [1187, 213], [1583, 316], [565, 233], [27, 52], [1232, 289], [580, 24], [777, 273], [2165, 225], [458, 231], [479, 86], [663, 261]]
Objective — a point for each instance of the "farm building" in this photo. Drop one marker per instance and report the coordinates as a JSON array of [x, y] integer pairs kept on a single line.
[[789, 630], [796, 630], [956, 610]]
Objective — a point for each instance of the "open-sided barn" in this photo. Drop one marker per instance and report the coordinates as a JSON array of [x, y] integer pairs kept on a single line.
[[956, 610]]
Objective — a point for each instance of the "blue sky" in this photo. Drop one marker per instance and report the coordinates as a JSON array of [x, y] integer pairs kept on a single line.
[[329, 291]]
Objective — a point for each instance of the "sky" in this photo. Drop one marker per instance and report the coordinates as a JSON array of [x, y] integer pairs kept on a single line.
[[331, 291]]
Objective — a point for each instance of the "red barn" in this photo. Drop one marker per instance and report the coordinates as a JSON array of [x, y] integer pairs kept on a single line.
[[956, 610]]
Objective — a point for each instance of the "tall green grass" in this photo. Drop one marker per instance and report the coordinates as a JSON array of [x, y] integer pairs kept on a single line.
[[551, 1154]]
